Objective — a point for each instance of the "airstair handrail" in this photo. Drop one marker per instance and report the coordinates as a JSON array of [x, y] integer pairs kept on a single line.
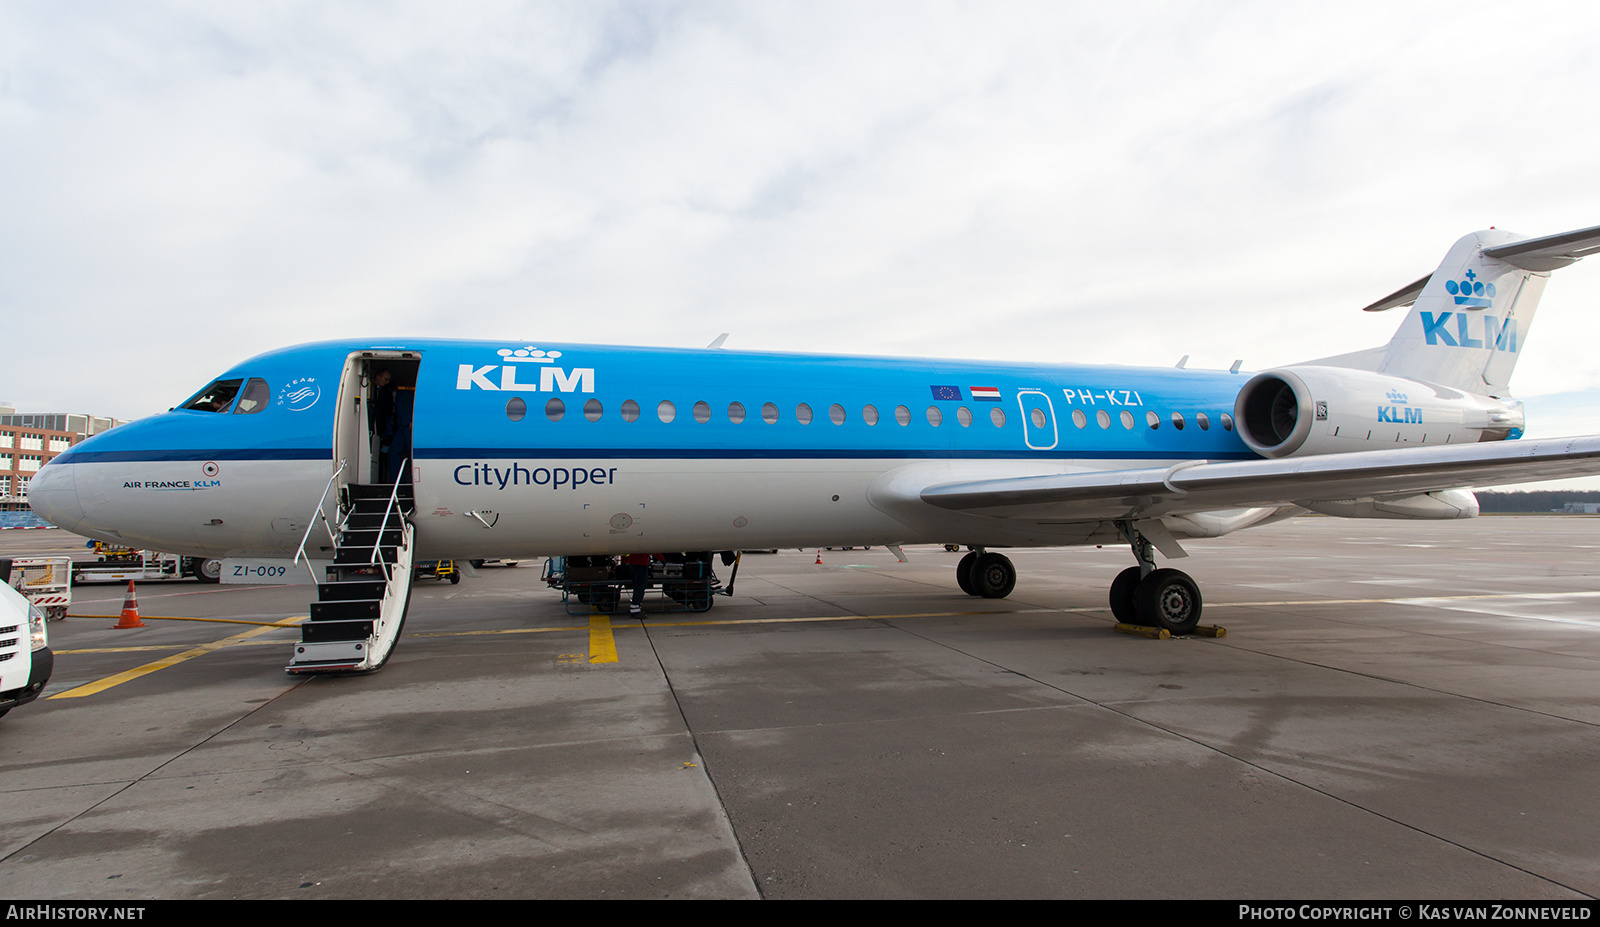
[[394, 496], [321, 500]]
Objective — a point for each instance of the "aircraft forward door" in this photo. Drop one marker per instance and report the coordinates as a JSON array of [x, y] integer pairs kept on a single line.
[[1038, 420], [373, 415]]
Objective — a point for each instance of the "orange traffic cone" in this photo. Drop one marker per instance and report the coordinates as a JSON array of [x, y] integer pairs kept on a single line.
[[819, 555], [130, 611]]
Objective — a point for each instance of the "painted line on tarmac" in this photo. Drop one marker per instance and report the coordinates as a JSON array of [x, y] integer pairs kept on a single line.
[[285, 623], [118, 679], [602, 645], [656, 622]]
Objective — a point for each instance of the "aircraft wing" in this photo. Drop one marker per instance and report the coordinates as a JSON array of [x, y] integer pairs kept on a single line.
[[1198, 486]]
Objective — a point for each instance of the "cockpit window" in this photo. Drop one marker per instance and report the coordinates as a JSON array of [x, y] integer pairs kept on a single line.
[[214, 398], [254, 398]]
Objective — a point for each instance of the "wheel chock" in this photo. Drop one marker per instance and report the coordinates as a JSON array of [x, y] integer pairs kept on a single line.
[[1209, 630], [1139, 630]]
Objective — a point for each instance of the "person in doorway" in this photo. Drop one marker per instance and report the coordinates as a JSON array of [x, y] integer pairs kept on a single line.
[[381, 422], [405, 399]]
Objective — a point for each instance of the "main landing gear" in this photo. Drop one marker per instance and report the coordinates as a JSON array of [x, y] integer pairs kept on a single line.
[[1141, 595], [1144, 595], [984, 574]]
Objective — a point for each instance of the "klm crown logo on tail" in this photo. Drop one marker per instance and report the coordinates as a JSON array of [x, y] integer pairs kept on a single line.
[[1471, 291], [1496, 334]]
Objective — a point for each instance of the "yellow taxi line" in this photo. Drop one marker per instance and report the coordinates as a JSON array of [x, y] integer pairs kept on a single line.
[[90, 688]]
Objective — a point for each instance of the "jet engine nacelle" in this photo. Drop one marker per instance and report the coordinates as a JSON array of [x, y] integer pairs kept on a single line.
[[1303, 411]]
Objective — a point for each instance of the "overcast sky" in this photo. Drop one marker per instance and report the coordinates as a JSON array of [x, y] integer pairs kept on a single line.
[[183, 185]]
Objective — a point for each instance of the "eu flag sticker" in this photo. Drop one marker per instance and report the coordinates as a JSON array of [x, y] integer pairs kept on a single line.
[[947, 392]]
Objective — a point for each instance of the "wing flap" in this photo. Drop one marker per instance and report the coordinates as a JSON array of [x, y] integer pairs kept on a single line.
[[1197, 486]]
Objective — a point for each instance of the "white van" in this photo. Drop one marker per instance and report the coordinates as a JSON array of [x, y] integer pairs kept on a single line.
[[25, 657]]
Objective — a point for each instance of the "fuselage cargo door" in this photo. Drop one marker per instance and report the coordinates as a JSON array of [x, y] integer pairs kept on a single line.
[[1038, 420]]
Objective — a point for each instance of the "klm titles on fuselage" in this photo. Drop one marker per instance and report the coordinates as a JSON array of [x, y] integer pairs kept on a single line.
[[551, 379]]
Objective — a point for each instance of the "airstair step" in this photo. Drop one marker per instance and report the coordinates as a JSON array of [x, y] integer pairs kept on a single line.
[[361, 555], [348, 610], [353, 589], [366, 537], [316, 632]]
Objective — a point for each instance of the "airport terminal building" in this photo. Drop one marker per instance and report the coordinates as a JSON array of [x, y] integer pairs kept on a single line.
[[27, 441]]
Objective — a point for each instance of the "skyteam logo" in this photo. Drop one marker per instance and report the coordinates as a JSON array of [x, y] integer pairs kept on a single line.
[[1471, 291], [299, 395], [551, 378]]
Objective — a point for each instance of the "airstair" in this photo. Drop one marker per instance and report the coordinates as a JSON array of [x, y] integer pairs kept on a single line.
[[361, 608]]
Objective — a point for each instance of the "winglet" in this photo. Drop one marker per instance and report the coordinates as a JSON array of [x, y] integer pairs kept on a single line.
[[717, 343]]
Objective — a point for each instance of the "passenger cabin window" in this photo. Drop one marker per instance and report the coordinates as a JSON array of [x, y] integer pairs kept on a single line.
[[999, 417], [802, 414], [935, 417], [1078, 418], [964, 416], [1104, 418], [702, 411], [215, 397], [516, 409], [1153, 420], [836, 414], [555, 409], [769, 413], [1127, 419], [902, 415], [1177, 420], [630, 410], [736, 413], [254, 399], [1203, 420], [592, 410], [666, 411], [869, 414], [1227, 422]]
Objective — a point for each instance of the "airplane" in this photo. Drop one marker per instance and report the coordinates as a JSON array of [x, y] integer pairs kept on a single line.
[[522, 449]]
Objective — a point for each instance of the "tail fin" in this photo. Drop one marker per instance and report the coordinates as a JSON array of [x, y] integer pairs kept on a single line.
[[1469, 320]]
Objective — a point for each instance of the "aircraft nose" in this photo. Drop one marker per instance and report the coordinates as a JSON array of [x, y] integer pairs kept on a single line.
[[53, 495]]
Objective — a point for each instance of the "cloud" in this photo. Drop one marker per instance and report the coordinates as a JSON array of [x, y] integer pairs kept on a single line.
[[189, 184]]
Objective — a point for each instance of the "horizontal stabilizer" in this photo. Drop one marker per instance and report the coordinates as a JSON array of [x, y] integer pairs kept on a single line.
[[1191, 487], [1550, 252], [1404, 296]]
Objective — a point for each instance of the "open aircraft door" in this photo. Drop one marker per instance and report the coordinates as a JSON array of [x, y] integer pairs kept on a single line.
[[372, 417]]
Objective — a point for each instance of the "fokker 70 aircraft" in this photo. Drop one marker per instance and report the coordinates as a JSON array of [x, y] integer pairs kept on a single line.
[[521, 450]]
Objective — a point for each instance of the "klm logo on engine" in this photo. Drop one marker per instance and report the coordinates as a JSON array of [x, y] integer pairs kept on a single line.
[[1400, 415], [1398, 412], [516, 361]]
